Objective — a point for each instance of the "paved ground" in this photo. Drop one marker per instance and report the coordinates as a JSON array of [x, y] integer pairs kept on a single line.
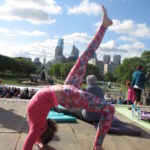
[[71, 136]]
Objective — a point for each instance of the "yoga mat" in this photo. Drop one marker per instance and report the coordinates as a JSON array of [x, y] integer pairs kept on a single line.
[[60, 117], [145, 115], [128, 113], [122, 128], [118, 127]]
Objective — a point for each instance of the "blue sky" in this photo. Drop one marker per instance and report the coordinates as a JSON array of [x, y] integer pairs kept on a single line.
[[31, 28]]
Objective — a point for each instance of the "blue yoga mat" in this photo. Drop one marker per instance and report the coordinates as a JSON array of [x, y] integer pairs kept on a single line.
[[60, 117]]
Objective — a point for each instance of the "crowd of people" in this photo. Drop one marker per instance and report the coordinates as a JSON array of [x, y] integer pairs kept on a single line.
[[17, 93], [113, 98]]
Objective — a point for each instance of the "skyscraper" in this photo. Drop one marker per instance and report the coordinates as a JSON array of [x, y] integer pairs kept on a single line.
[[106, 59], [74, 54], [75, 51], [61, 43], [117, 59], [59, 48]]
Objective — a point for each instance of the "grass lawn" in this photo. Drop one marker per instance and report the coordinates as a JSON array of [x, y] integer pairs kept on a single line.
[[13, 81]]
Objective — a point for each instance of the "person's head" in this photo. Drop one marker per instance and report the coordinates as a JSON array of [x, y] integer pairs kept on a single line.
[[128, 83], [139, 67], [91, 79], [48, 135]]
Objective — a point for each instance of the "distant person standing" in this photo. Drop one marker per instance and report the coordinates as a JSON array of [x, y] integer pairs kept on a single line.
[[131, 93], [138, 82]]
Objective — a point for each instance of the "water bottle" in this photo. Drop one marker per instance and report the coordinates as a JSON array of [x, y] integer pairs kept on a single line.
[[138, 113], [133, 110]]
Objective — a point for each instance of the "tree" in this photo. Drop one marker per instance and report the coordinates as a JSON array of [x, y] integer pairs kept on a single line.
[[65, 69], [124, 71], [55, 70], [16, 66], [109, 77], [26, 66], [91, 69], [62, 70], [145, 56]]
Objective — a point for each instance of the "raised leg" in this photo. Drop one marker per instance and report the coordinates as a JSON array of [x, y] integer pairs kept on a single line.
[[77, 73]]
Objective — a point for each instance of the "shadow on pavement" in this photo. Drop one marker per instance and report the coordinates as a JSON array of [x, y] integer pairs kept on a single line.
[[10, 120]]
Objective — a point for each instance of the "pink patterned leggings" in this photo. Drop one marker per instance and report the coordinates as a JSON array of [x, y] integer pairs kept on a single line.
[[73, 97]]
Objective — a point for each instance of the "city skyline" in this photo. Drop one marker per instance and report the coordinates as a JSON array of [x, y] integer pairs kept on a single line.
[[31, 28], [59, 49]]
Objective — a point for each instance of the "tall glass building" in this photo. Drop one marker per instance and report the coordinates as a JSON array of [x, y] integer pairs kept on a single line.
[[61, 43], [59, 48]]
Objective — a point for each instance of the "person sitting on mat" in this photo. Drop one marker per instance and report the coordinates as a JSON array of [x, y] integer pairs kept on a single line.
[[69, 95], [84, 114], [93, 88]]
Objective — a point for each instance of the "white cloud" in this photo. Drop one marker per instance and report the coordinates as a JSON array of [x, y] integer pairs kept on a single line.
[[86, 7], [142, 31], [111, 47], [4, 30], [131, 28], [127, 39], [11, 32], [30, 33], [136, 46], [81, 40], [46, 48], [77, 37], [125, 27], [10, 35], [36, 12], [36, 49], [125, 50]]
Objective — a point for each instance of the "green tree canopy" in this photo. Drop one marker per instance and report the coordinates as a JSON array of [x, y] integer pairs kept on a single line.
[[27, 67], [145, 56], [109, 77], [124, 71], [91, 69], [62, 70], [55, 70], [16, 66], [65, 69]]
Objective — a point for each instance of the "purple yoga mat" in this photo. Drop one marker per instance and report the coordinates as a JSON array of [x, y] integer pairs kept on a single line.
[[121, 128], [145, 115], [118, 127]]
